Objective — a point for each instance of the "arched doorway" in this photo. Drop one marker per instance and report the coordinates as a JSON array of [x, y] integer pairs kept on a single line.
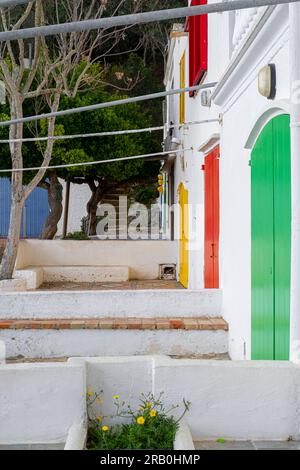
[[271, 240]]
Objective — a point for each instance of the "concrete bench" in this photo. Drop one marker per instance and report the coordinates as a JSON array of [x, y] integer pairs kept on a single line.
[[35, 276]]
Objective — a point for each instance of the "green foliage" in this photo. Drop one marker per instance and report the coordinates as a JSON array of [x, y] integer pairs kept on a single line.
[[145, 194], [77, 236], [150, 427]]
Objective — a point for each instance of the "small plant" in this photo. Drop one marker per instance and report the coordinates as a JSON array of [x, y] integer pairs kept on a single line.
[[150, 427], [77, 236]]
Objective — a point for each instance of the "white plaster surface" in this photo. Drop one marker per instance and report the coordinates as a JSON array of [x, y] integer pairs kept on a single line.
[[86, 273], [183, 438], [238, 399], [40, 402], [233, 400], [33, 276], [77, 436], [13, 285], [60, 343], [142, 257], [112, 303]]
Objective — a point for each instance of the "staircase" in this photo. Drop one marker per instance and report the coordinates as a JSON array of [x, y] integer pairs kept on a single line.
[[119, 219], [181, 323]]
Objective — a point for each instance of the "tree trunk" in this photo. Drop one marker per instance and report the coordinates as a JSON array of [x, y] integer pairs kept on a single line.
[[17, 194], [55, 190], [11, 249], [92, 205]]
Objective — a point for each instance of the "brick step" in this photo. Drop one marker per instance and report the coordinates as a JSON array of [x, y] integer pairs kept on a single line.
[[131, 323], [107, 336]]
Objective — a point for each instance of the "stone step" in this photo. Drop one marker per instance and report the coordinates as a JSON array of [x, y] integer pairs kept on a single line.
[[175, 336], [111, 303]]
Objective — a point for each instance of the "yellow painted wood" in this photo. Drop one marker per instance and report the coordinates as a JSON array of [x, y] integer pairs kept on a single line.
[[184, 236], [182, 85]]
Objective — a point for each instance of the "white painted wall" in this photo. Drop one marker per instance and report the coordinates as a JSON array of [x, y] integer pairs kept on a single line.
[[79, 196], [233, 400], [40, 402], [143, 257], [242, 108], [192, 175], [243, 112]]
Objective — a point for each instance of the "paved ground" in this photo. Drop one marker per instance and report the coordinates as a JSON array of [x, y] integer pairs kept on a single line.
[[247, 445], [130, 285]]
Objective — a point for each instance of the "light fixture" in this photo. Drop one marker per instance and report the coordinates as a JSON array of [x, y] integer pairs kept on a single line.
[[267, 81]]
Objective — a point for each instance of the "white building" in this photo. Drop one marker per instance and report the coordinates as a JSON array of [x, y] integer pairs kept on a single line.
[[235, 173]]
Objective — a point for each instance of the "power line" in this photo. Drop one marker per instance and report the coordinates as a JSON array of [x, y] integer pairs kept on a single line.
[[104, 134], [107, 104], [137, 18], [99, 162]]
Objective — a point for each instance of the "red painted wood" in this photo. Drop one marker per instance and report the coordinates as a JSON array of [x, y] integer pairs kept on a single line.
[[198, 30], [212, 220]]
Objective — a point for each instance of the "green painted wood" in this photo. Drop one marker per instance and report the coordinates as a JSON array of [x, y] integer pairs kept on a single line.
[[262, 246], [282, 235], [271, 241]]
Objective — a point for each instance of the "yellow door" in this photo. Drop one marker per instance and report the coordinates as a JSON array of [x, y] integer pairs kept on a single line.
[[184, 236]]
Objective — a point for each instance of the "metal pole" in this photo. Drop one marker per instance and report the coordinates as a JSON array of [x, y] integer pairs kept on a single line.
[[98, 162], [108, 104], [137, 18]]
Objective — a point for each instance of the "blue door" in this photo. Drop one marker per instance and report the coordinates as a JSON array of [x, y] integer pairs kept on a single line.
[[34, 213]]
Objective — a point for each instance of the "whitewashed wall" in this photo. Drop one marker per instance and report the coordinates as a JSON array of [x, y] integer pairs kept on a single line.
[[245, 112], [192, 176], [79, 196], [233, 400], [40, 402]]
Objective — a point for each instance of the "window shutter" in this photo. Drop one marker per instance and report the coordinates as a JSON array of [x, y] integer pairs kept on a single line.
[[197, 26]]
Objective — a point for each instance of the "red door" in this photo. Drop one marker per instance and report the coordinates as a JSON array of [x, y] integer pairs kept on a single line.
[[212, 224]]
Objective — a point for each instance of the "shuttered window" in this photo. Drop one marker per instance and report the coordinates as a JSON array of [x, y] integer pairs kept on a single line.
[[197, 27]]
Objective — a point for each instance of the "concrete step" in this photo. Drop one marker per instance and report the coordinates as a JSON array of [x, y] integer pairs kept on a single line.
[[107, 303], [180, 337]]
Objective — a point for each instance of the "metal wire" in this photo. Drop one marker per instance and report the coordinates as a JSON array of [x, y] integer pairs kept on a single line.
[[99, 162], [109, 104], [104, 134]]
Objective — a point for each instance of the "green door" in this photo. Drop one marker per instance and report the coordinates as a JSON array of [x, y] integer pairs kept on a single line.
[[271, 240]]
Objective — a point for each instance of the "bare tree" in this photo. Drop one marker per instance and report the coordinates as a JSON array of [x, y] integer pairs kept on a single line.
[[53, 71]]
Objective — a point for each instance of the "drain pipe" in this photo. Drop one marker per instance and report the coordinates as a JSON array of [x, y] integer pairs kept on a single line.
[[294, 20]]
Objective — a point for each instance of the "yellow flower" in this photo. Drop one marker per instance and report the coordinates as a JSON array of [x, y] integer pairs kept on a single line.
[[105, 428], [153, 413], [140, 420], [116, 397], [90, 393], [99, 419], [149, 404]]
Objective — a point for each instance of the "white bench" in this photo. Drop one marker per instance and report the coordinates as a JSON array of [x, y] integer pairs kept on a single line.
[[35, 276]]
